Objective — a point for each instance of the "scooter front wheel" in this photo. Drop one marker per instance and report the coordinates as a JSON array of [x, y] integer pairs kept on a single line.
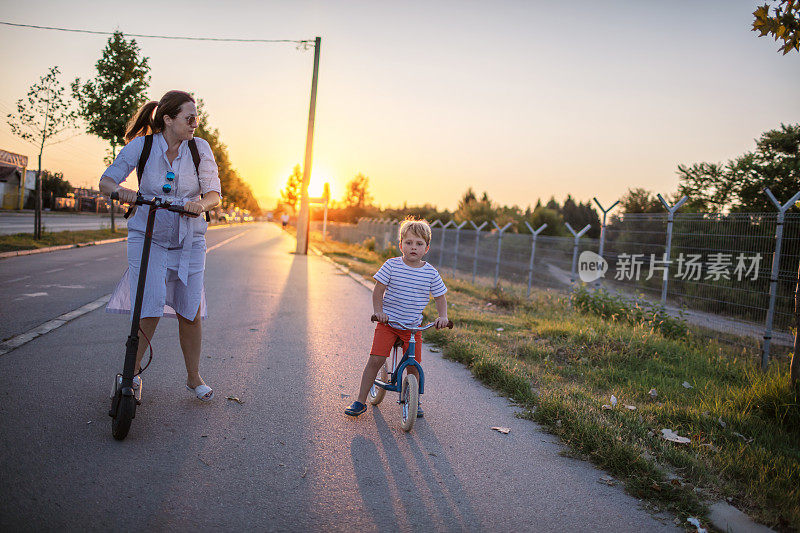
[[125, 412]]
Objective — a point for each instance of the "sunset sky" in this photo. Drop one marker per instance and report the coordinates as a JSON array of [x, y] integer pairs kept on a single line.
[[522, 99]]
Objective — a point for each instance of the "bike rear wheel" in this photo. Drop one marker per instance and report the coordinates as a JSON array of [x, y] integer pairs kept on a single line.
[[376, 393], [409, 401]]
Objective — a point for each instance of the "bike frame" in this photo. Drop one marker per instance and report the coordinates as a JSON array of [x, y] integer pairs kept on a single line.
[[409, 359]]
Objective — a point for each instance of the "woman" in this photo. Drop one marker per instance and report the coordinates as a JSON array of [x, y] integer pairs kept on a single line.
[[174, 283]]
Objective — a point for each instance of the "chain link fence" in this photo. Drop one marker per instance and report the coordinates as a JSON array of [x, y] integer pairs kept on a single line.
[[715, 270]]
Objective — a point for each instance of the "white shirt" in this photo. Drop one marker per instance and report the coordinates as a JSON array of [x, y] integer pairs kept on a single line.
[[408, 290], [171, 230]]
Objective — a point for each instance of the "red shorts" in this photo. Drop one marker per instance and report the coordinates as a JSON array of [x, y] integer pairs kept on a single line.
[[384, 339]]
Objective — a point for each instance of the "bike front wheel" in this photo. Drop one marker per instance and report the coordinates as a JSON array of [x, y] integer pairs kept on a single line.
[[409, 401], [376, 393]]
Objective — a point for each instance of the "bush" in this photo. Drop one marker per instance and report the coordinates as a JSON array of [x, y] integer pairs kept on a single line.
[[389, 252], [638, 311], [369, 244], [503, 298]]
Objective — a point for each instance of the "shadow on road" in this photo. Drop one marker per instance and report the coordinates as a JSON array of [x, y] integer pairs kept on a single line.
[[426, 492]]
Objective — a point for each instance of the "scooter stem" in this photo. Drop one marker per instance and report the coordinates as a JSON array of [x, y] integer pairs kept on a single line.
[[132, 346]]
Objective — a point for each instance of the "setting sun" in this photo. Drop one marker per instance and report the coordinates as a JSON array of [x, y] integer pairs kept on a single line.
[[317, 184]]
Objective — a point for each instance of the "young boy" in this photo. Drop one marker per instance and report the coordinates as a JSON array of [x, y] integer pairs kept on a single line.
[[403, 287]]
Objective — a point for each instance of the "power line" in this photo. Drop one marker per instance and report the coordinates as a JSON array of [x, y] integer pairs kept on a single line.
[[304, 42]]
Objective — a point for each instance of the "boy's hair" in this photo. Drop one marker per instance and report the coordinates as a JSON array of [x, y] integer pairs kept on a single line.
[[420, 228]]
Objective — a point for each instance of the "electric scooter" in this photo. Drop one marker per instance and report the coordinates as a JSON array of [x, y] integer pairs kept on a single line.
[[124, 397]]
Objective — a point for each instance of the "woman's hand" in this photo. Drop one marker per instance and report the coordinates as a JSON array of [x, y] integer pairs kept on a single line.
[[193, 207], [126, 196]]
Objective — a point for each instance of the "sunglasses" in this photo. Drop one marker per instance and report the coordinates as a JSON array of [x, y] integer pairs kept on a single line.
[[167, 187]]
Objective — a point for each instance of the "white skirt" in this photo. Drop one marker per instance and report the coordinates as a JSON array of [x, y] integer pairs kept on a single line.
[[164, 294]]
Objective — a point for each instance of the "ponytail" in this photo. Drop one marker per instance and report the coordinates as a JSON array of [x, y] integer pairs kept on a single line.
[[150, 117], [142, 122]]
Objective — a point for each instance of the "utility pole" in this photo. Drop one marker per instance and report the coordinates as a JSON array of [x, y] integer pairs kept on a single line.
[[303, 218]]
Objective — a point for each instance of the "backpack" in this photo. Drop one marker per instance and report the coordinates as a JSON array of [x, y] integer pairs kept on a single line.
[[148, 144]]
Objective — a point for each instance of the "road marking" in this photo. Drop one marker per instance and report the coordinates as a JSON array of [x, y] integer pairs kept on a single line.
[[102, 258], [78, 264], [15, 342], [16, 279], [226, 241], [54, 270], [31, 295]]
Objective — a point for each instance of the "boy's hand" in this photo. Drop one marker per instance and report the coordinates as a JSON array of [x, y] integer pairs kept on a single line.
[[382, 317], [441, 322]]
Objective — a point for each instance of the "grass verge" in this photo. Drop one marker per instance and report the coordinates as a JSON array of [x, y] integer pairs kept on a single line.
[[25, 241], [562, 360]]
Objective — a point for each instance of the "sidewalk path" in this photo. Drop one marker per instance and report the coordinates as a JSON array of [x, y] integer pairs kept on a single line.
[[288, 335]]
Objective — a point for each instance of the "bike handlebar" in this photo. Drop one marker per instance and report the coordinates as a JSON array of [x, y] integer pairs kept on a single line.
[[158, 203], [374, 318]]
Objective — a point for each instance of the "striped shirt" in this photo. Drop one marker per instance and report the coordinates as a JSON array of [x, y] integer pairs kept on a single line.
[[408, 290]]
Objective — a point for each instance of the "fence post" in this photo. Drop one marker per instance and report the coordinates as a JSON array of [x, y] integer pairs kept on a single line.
[[394, 233], [575, 247], [534, 234], [670, 218], [773, 279], [441, 244], [499, 245], [387, 231], [368, 228], [475, 256], [602, 233], [435, 223], [455, 248]]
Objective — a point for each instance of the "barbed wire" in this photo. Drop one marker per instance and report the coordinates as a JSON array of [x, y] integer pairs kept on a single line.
[[304, 43]]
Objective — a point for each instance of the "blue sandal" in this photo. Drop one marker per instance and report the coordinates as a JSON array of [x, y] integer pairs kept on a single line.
[[355, 409]]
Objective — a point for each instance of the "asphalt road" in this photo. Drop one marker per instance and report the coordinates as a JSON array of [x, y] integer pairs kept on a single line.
[[288, 335]]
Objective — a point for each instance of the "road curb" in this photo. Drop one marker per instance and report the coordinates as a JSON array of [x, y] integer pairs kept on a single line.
[[364, 282], [5, 255], [16, 253]]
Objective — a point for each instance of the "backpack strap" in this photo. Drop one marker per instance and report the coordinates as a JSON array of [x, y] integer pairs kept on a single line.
[[196, 159], [148, 145]]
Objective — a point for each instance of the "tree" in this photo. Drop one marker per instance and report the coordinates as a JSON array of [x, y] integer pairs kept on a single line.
[[543, 215], [738, 184], [116, 93], [55, 186], [290, 195], [110, 99], [579, 215], [471, 208], [783, 25], [235, 191], [40, 120], [357, 193], [639, 200]]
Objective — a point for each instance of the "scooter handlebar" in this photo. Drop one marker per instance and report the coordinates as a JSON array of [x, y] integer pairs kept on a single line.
[[158, 203]]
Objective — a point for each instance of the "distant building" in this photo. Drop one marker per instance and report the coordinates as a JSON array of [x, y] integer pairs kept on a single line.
[[13, 186]]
